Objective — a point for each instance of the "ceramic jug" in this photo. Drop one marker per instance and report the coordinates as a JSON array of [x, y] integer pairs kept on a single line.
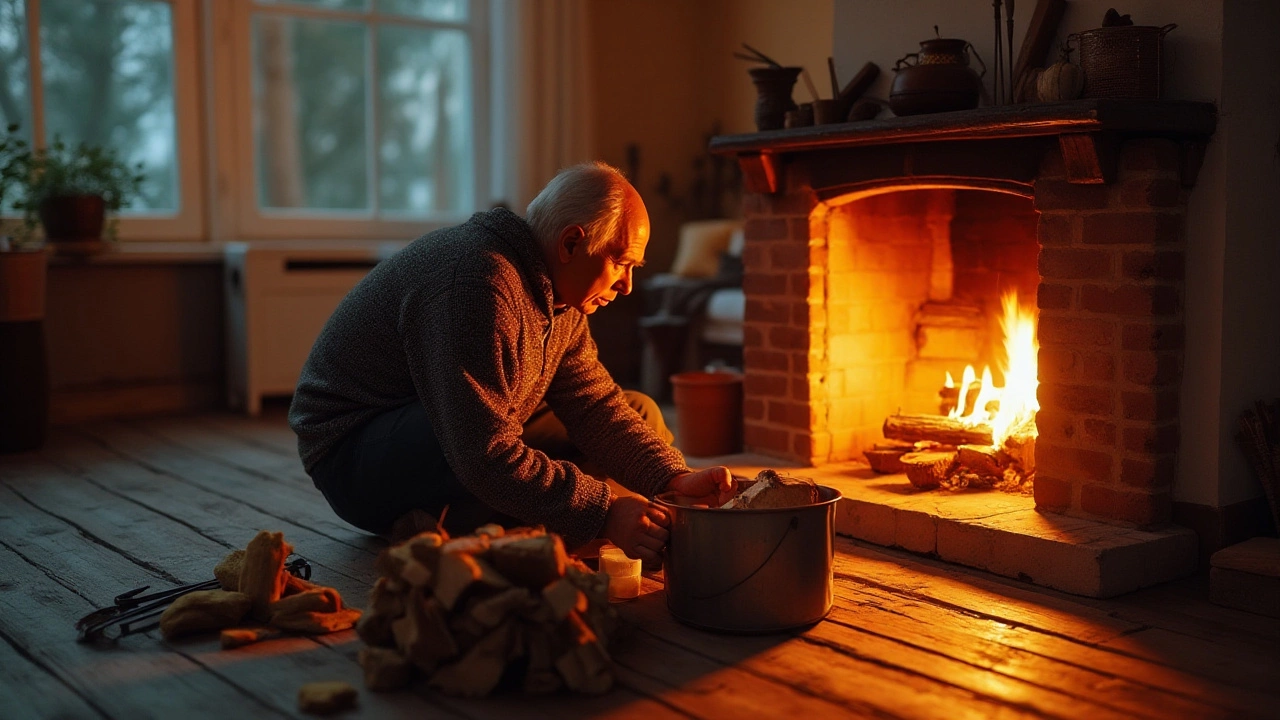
[[936, 79]]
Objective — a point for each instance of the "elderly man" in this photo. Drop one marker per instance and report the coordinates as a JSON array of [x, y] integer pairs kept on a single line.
[[417, 393]]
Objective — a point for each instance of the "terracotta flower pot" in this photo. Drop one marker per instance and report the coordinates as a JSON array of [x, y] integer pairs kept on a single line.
[[709, 411], [73, 217]]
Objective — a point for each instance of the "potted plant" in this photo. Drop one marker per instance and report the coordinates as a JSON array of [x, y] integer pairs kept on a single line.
[[24, 374], [74, 191]]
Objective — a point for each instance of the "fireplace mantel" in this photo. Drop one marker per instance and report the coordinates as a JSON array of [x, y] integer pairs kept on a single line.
[[994, 147]]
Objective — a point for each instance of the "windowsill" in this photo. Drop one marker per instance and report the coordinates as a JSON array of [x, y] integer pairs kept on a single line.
[[138, 252]]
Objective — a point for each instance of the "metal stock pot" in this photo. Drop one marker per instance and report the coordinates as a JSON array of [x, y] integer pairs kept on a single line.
[[750, 571]]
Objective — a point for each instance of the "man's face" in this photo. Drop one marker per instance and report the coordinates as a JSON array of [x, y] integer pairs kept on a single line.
[[589, 282]]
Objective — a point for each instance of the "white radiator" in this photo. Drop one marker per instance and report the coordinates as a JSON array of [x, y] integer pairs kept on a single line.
[[278, 297]]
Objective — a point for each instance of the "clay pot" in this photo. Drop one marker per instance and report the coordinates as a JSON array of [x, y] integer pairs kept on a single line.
[[936, 79], [773, 94], [709, 411], [73, 217]]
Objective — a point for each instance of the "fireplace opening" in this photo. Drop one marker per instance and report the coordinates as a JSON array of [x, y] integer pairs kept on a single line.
[[931, 302]]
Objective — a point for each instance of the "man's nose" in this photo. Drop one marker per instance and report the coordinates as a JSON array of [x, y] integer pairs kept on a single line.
[[623, 286]]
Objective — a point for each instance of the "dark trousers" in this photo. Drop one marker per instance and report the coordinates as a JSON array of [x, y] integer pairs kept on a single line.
[[393, 464]]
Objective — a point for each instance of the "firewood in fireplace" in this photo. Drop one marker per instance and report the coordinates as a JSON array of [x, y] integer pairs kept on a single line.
[[927, 469], [981, 459], [945, 430]]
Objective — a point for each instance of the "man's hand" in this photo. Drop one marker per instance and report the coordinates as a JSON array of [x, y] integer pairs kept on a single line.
[[712, 486], [637, 527]]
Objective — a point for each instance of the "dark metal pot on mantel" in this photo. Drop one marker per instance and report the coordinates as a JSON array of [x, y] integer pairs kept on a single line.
[[936, 79]]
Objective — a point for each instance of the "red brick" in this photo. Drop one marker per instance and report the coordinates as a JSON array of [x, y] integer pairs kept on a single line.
[[1057, 364], [766, 360], [1152, 336], [1073, 264], [752, 336], [1075, 463], [1088, 399], [812, 448], [800, 389], [800, 283], [1052, 493], [789, 338], [1156, 406], [1131, 300], [1052, 166], [1055, 426], [1155, 472], [1132, 228], [765, 438], [756, 385], [789, 256], [1147, 265], [756, 256], [798, 203], [807, 362], [803, 314], [1138, 507], [1151, 192], [1099, 433], [1152, 368], [794, 415], [769, 310], [759, 285], [1054, 297], [1077, 332], [1098, 367], [765, 228], [753, 409], [798, 229], [1148, 154], [1063, 195], [1147, 438], [1057, 229]]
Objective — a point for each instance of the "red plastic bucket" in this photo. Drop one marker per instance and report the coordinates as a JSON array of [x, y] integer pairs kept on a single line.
[[709, 412]]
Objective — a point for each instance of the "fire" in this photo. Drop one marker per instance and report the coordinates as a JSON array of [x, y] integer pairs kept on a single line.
[[1010, 410]]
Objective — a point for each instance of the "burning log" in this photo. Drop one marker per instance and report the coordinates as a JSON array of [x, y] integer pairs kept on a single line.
[[460, 611], [928, 469], [982, 459], [945, 430]]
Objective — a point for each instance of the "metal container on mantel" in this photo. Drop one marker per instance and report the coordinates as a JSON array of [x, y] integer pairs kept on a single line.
[[750, 571]]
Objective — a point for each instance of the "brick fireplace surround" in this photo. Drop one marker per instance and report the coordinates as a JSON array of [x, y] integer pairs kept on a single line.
[[827, 351]]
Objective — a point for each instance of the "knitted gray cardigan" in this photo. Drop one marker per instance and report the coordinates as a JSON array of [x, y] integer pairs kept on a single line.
[[461, 320]]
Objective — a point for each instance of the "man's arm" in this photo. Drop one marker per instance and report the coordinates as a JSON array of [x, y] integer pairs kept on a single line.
[[603, 425]]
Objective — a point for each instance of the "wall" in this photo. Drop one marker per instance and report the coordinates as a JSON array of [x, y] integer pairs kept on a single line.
[[1214, 55]]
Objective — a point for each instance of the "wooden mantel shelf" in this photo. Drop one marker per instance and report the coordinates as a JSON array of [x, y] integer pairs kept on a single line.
[[1088, 132]]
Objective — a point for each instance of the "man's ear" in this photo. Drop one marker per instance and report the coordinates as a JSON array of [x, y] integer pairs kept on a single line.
[[570, 241]]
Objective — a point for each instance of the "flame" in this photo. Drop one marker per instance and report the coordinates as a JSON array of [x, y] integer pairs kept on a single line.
[[1010, 410]]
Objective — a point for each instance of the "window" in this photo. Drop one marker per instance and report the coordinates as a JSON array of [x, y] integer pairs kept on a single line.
[[109, 72], [353, 118]]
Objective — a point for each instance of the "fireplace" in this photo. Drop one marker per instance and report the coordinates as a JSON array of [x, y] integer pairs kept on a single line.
[[877, 253]]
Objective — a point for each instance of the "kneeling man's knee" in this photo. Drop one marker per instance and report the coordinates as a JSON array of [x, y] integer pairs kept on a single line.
[[651, 413]]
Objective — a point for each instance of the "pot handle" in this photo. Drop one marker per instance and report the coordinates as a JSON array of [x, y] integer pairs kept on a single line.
[[1167, 29], [793, 525], [977, 57], [900, 64]]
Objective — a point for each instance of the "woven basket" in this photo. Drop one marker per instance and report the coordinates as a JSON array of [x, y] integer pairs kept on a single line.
[[1122, 62]]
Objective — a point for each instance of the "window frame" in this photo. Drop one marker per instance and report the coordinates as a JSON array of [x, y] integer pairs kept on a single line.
[[234, 191], [188, 221]]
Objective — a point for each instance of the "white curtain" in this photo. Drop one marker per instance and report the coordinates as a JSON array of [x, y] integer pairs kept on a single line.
[[542, 99]]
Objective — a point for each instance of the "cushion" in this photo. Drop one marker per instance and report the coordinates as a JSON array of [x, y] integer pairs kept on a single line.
[[702, 242]]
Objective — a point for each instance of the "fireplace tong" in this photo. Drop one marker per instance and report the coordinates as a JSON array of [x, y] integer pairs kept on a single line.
[[134, 612]]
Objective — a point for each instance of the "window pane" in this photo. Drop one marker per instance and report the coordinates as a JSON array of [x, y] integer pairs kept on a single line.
[[310, 113], [15, 99], [327, 4], [443, 10], [107, 70], [424, 145]]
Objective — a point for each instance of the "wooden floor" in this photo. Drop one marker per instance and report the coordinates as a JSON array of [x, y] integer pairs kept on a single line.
[[110, 507]]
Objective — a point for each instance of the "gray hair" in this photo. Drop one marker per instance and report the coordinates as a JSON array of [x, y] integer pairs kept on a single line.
[[590, 195]]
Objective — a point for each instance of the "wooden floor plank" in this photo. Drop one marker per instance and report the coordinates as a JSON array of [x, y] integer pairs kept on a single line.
[[29, 691], [229, 451]]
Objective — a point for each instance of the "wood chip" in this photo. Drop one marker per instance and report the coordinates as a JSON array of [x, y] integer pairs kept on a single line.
[[262, 576], [202, 611], [232, 638], [927, 469], [327, 697]]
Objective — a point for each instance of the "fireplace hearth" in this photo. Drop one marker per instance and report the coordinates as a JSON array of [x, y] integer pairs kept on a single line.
[[876, 260]]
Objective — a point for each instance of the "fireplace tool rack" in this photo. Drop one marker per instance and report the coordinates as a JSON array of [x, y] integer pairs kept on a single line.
[[133, 612]]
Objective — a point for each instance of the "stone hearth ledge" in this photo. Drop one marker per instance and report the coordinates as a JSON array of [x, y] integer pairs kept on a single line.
[[992, 531]]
